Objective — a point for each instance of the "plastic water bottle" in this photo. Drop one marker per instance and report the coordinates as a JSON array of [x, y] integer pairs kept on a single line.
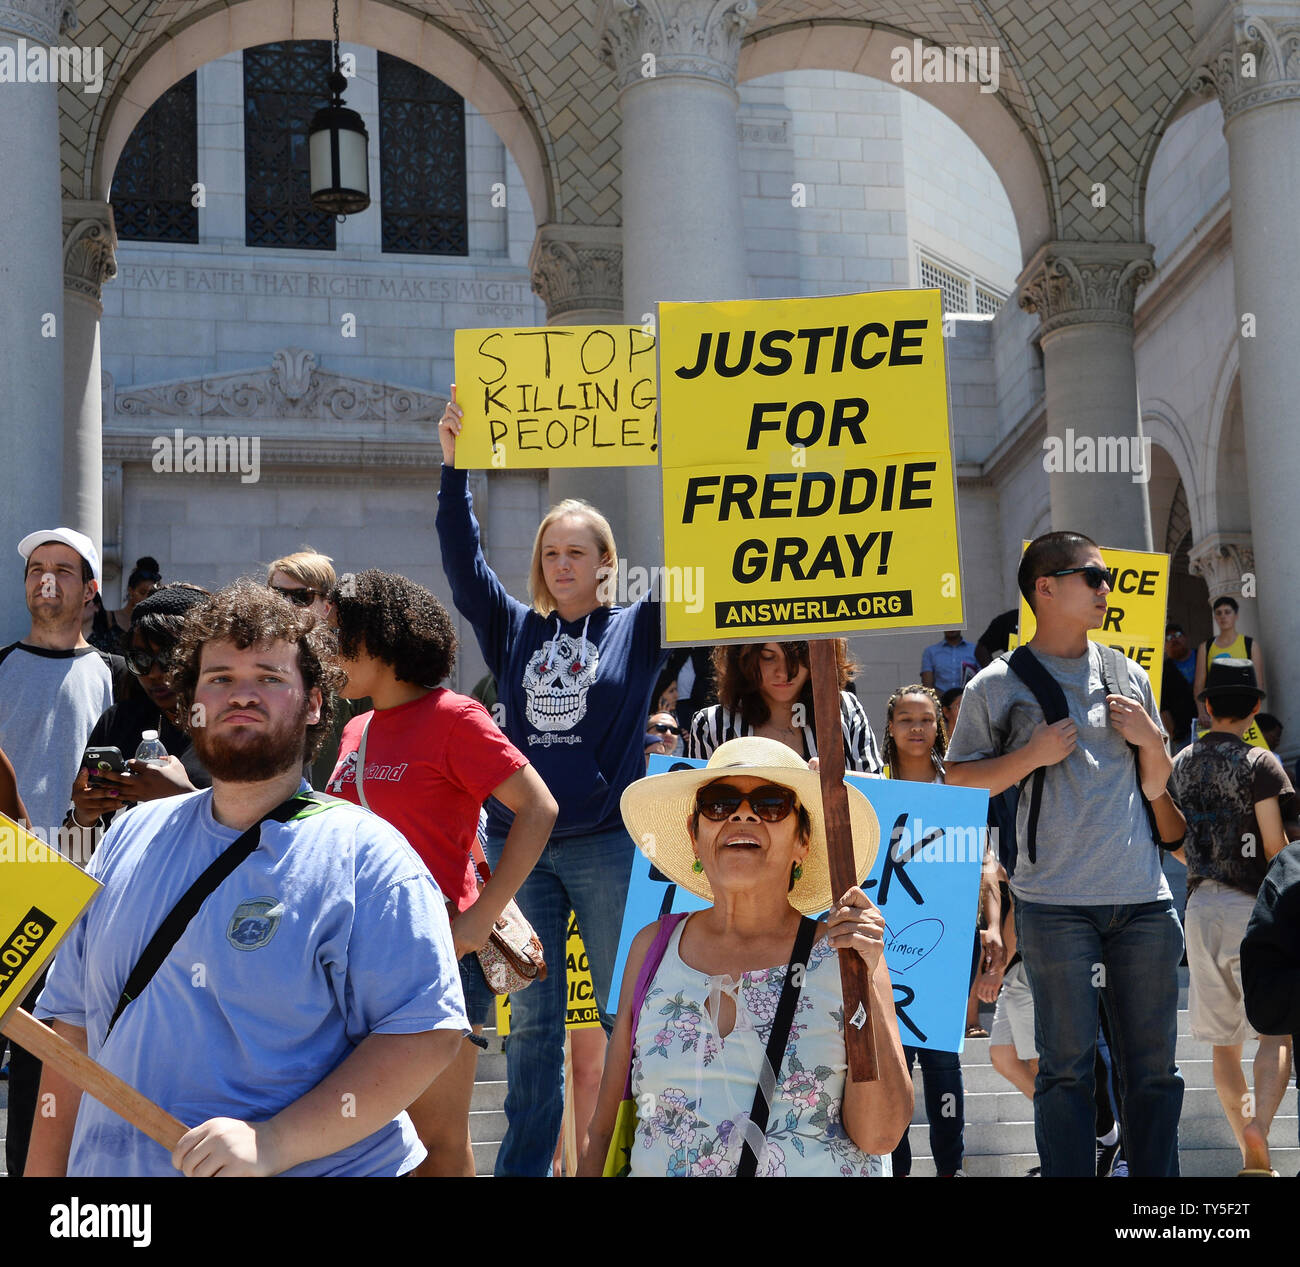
[[151, 750]]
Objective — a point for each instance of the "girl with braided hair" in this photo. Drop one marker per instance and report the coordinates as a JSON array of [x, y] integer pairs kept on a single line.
[[916, 737]]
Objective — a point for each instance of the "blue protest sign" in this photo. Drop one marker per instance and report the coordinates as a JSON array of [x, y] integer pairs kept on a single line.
[[925, 881]]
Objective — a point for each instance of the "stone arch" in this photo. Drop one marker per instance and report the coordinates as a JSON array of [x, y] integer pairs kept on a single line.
[[414, 37], [1225, 496], [864, 48], [1165, 428], [1176, 107]]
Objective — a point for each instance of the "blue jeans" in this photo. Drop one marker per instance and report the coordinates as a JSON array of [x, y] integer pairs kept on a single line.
[[1129, 955], [945, 1108], [588, 875]]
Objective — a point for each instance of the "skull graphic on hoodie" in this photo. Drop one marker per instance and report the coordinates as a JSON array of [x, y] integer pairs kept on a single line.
[[556, 681]]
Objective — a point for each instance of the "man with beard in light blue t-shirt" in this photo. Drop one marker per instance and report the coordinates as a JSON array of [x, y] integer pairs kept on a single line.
[[312, 996]]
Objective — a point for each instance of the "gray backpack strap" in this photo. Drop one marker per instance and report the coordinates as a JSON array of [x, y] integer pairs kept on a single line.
[[1114, 671]]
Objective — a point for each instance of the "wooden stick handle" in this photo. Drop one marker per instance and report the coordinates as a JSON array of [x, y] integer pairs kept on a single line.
[[855, 980], [93, 1078]]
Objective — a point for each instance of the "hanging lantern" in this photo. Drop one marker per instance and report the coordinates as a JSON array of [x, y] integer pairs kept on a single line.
[[337, 149]]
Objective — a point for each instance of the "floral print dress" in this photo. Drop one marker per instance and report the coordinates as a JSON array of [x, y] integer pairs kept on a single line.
[[700, 1087]]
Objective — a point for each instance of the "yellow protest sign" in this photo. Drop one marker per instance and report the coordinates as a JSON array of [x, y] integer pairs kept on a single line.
[[41, 896], [1135, 610], [581, 1012], [556, 396], [807, 467]]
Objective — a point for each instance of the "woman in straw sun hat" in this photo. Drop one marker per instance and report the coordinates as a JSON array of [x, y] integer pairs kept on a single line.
[[701, 996]]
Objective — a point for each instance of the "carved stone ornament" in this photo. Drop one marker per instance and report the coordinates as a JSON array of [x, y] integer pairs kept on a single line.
[[576, 268], [643, 39], [89, 247], [1261, 65], [293, 387], [1221, 560], [1085, 283], [41, 20]]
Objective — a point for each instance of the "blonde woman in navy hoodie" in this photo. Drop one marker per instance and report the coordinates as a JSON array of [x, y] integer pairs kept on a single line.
[[574, 674]]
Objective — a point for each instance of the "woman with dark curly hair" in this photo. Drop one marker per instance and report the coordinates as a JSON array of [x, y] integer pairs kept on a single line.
[[425, 759], [765, 689]]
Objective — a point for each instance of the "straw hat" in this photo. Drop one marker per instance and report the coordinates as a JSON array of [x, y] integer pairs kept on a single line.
[[655, 810]]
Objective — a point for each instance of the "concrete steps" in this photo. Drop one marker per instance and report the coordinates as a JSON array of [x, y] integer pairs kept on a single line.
[[487, 1118], [999, 1132]]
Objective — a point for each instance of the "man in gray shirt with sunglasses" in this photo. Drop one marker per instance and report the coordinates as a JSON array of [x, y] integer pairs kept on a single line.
[[1094, 917]]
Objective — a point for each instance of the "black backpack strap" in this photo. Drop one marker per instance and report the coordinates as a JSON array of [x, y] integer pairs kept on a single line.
[[1115, 674], [1047, 693], [170, 930], [777, 1041], [120, 674]]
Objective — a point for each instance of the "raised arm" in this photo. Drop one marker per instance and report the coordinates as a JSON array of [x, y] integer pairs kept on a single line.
[[476, 589]]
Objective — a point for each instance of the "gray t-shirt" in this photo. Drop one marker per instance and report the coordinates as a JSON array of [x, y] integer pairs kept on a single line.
[[49, 704], [1094, 845]]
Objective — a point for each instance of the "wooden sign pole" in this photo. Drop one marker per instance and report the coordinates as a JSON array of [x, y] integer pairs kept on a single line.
[[94, 1079], [855, 980]]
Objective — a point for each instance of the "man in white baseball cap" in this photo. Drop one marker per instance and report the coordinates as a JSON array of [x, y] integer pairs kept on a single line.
[[54, 686], [81, 543]]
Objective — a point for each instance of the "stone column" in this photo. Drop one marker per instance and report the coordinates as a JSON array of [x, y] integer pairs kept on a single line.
[[89, 243], [31, 295], [675, 62], [1252, 60], [577, 270], [1083, 293]]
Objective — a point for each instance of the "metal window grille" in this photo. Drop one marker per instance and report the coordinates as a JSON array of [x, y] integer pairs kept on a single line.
[[988, 302], [955, 288], [153, 185], [284, 85], [421, 162]]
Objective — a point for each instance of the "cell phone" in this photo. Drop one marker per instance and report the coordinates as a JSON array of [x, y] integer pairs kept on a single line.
[[102, 759]]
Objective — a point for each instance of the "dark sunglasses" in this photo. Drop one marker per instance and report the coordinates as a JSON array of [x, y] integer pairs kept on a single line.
[[299, 598], [142, 662], [1092, 576], [770, 803], [663, 728]]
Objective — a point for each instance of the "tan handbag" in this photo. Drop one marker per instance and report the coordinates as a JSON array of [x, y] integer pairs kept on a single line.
[[512, 958]]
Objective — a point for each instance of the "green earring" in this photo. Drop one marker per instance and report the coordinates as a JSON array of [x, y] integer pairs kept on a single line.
[[797, 872], [697, 866]]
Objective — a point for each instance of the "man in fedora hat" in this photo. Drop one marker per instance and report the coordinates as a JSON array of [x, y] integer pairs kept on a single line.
[[1231, 794]]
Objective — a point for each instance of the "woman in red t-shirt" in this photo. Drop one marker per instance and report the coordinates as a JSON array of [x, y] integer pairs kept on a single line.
[[425, 759]]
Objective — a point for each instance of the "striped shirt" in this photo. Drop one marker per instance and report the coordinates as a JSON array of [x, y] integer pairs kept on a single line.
[[713, 726]]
